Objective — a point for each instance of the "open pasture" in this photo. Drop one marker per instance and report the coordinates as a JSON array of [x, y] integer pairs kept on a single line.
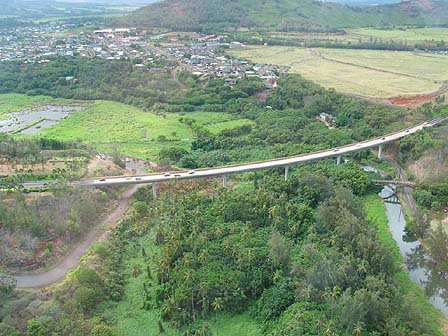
[[402, 34], [408, 35], [107, 125], [369, 73]]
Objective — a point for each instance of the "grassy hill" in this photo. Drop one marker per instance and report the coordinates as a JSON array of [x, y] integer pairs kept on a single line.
[[284, 15]]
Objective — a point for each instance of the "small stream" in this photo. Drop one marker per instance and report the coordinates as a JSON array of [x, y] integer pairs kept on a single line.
[[418, 267]]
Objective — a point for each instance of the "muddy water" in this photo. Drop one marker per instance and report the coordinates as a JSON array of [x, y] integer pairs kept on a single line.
[[49, 116]]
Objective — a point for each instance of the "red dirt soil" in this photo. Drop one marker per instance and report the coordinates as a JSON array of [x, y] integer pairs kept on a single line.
[[411, 100]]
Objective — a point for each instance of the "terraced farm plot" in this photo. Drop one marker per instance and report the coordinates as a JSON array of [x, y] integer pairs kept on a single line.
[[370, 73]]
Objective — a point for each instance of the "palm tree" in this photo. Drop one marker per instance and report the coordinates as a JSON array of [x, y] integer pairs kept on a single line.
[[204, 331], [328, 331], [217, 305], [357, 330], [336, 292], [219, 232], [188, 278], [203, 256], [362, 267], [277, 276]]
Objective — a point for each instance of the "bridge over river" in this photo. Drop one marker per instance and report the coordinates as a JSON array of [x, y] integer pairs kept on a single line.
[[58, 273]]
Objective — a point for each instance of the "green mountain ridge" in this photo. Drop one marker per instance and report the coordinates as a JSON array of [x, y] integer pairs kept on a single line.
[[283, 15]]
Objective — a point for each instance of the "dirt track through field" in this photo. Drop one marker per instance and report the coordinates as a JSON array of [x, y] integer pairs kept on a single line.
[[59, 272]]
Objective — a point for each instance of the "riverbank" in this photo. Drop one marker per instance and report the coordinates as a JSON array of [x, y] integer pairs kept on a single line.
[[376, 214]]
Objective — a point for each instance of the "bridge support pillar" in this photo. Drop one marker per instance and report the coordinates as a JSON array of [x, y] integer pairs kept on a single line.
[[380, 151], [224, 181], [286, 173], [338, 160], [154, 190]]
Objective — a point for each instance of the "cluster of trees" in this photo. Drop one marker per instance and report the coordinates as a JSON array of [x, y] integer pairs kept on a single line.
[[432, 196], [284, 124], [377, 44], [337, 43], [32, 153], [302, 251], [14, 148], [72, 312], [94, 78], [119, 80], [13, 22], [66, 211], [75, 307], [413, 147], [78, 305]]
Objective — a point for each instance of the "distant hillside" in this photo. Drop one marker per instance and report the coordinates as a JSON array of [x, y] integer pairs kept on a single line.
[[365, 2], [43, 9], [283, 14]]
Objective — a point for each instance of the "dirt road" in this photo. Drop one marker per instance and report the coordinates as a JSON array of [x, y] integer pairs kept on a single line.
[[58, 273]]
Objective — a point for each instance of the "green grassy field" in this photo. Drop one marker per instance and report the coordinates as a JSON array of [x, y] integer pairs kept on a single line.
[[401, 34], [370, 73], [105, 125], [132, 320], [377, 215], [317, 36], [365, 35]]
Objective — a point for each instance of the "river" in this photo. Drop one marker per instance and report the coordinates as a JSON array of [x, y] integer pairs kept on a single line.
[[412, 251], [434, 285]]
